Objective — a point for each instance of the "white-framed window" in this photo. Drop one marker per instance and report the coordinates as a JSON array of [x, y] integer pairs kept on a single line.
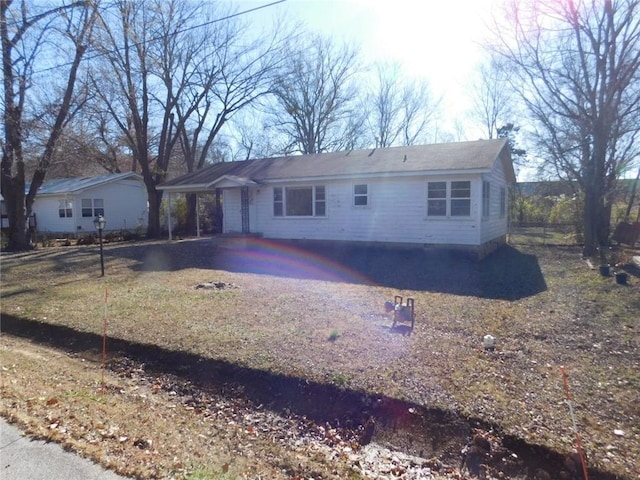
[[486, 199], [503, 202], [303, 201], [437, 199], [65, 209], [361, 195], [92, 207], [452, 199], [461, 198], [320, 201], [278, 202]]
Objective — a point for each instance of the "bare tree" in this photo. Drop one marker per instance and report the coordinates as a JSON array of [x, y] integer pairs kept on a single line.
[[124, 82], [402, 109], [632, 198], [578, 66], [231, 75], [30, 39], [178, 72], [493, 97], [315, 106], [253, 138]]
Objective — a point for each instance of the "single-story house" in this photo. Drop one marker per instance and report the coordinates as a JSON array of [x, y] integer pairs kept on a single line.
[[69, 205], [449, 194]]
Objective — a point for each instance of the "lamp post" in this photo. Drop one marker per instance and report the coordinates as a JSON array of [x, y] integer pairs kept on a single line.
[[99, 222]]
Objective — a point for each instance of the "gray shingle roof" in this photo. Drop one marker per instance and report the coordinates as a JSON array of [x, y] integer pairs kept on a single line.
[[475, 156], [58, 186]]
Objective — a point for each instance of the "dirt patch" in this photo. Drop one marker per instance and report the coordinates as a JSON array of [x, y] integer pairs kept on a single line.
[[215, 286]]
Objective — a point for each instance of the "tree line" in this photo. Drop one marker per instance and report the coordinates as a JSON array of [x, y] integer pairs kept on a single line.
[[161, 86]]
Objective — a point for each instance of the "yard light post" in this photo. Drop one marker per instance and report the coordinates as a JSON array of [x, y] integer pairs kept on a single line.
[[99, 222]]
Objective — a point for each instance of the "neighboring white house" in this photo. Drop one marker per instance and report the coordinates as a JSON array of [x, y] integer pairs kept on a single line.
[[451, 194], [69, 205]]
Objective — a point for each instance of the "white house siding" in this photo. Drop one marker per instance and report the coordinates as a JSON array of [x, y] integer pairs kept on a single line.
[[48, 218], [494, 227], [125, 207], [396, 213]]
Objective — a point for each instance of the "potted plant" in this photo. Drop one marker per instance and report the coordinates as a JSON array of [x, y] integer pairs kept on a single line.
[[621, 277], [618, 270]]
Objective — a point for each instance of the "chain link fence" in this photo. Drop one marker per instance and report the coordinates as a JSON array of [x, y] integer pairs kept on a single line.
[[540, 233]]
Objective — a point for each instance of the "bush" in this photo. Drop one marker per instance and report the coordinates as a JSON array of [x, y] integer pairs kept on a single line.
[[87, 240]]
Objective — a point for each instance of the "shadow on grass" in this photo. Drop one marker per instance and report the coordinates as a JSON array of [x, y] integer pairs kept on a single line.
[[58, 259], [412, 428], [506, 274], [509, 274]]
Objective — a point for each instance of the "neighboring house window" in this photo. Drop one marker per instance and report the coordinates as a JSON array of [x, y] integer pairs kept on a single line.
[[299, 201], [437, 199], [361, 195], [503, 202], [486, 199], [65, 209], [92, 207]]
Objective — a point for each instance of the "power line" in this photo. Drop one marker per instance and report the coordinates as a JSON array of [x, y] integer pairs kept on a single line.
[[160, 37]]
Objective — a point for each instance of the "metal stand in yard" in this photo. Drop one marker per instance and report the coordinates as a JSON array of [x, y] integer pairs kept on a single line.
[[402, 312]]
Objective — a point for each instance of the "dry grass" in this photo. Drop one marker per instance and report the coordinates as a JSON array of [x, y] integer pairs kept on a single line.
[[318, 315]]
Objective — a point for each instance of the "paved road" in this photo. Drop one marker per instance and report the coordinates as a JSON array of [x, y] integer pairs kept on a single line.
[[22, 458]]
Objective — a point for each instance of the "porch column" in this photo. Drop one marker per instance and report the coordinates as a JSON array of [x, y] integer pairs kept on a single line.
[[169, 214], [198, 215], [219, 225]]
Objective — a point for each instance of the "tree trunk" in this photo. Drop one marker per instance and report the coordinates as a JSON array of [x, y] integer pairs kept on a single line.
[[154, 229], [591, 222], [13, 193]]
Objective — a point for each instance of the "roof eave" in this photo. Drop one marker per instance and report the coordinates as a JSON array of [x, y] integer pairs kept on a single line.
[[424, 173], [82, 189], [197, 187], [234, 181]]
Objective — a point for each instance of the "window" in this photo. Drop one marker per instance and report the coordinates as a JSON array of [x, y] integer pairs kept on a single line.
[[299, 201], [503, 202], [456, 204], [486, 199], [321, 202], [278, 202], [98, 207], [460, 199], [65, 209], [361, 195], [437, 199], [92, 207]]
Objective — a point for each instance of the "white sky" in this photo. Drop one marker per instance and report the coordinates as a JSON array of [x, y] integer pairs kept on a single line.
[[437, 40]]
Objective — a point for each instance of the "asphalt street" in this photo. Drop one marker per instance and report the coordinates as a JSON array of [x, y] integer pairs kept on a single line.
[[23, 458]]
